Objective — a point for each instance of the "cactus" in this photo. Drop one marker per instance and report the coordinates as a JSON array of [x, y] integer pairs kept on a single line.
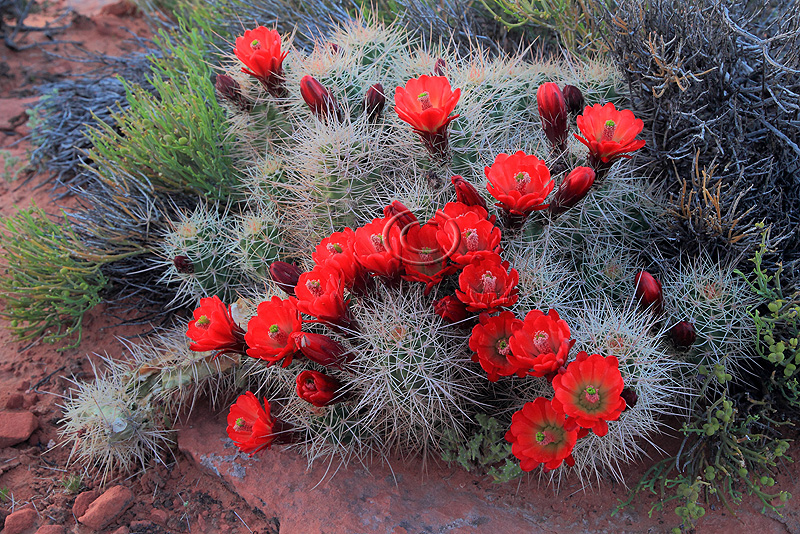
[[196, 255]]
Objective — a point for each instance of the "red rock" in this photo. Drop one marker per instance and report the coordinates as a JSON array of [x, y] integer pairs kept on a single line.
[[83, 501], [16, 427], [122, 530], [14, 402], [21, 522], [159, 516], [24, 385], [31, 399], [51, 529], [107, 508]]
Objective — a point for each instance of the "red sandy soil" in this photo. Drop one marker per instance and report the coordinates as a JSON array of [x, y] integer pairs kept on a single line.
[[272, 492]]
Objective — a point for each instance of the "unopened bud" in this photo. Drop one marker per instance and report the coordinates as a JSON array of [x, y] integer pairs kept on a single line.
[[553, 112], [400, 215], [574, 99], [467, 194], [321, 349], [450, 309], [183, 264], [683, 334], [648, 292], [572, 190], [440, 69], [630, 396], [374, 102], [231, 91], [285, 275], [319, 99]]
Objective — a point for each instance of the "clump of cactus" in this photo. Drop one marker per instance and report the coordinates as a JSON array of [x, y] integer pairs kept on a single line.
[[366, 350]]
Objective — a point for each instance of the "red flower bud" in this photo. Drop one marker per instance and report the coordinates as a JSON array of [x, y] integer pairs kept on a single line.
[[467, 194], [183, 264], [374, 101], [553, 112], [648, 292], [573, 98], [320, 349], [285, 275], [230, 89], [317, 388], [572, 190], [335, 48], [399, 215], [440, 69], [318, 98], [450, 309], [683, 334]]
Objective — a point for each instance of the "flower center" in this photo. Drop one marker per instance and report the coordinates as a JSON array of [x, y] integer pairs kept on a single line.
[[203, 322], [425, 101], [544, 437], [377, 242], [241, 425], [471, 238], [311, 385], [541, 340], [314, 287], [608, 131], [523, 179], [256, 44], [591, 395], [334, 248], [426, 254], [502, 347], [488, 282], [276, 334]]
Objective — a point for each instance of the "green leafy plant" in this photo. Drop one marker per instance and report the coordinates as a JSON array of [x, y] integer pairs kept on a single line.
[[72, 483], [172, 141], [485, 451], [777, 326], [51, 278]]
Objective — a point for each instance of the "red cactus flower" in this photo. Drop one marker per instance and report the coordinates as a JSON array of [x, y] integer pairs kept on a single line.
[[538, 436], [553, 112], [285, 275], [572, 190], [269, 332], [320, 293], [519, 182], [377, 247], [489, 342], [213, 328], [426, 104], [250, 426], [338, 249], [609, 134], [260, 51], [589, 392], [450, 309], [467, 194], [319, 99], [485, 284], [463, 236], [320, 349], [451, 210], [648, 292], [317, 388], [423, 259], [542, 344]]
